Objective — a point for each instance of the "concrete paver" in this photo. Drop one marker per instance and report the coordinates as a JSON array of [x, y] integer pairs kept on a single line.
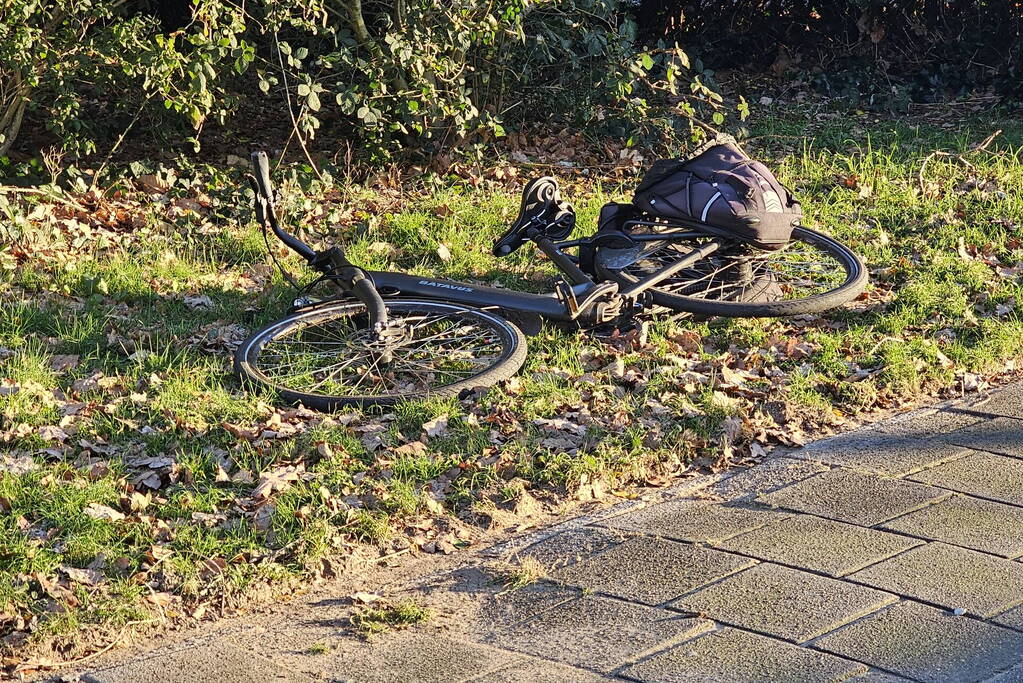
[[508, 607], [847, 496], [1007, 402], [731, 655], [1013, 675], [533, 670], [980, 474], [597, 633], [878, 676], [927, 644], [926, 424], [951, 577], [871, 450], [833, 548], [783, 602], [1002, 435], [214, 662], [844, 560], [764, 477], [415, 656], [570, 546], [970, 522], [697, 521], [651, 570], [1012, 618]]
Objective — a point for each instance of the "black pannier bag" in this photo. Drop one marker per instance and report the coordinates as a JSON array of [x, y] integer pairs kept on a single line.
[[721, 187]]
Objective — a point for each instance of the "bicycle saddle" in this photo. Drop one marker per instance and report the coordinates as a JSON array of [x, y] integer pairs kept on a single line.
[[542, 208]]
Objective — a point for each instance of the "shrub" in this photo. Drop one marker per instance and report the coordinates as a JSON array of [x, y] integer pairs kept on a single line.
[[393, 74], [78, 64]]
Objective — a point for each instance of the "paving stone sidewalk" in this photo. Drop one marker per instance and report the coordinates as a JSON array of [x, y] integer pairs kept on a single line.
[[890, 553]]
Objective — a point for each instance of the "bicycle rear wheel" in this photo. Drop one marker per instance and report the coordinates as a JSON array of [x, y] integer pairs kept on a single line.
[[326, 358], [811, 274]]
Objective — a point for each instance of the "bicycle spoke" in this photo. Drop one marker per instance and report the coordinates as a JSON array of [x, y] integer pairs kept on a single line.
[[798, 270], [336, 356]]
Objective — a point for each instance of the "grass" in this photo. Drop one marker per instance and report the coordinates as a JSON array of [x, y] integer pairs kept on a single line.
[[524, 572], [128, 449], [370, 621]]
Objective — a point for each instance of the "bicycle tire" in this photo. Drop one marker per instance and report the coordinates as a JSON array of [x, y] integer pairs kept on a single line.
[[852, 284], [508, 344]]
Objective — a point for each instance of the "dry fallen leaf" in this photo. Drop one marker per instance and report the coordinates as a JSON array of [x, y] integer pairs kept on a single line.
[[154, 184], [411, 448], [198, 302], [160, 599], [437, 426], [86, 577], [103, 512], [52, 433], [60, 363], [212, 566], [276, 480]]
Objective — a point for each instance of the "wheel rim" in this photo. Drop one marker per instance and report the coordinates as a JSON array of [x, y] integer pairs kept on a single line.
[[330, 352], [808, 267]]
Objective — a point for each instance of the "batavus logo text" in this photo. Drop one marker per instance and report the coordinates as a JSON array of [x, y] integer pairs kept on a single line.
[[443, 285]]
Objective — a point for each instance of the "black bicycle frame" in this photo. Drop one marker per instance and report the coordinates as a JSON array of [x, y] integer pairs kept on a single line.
[[546, 305], [579, 296], [555, 305], [597, 301]]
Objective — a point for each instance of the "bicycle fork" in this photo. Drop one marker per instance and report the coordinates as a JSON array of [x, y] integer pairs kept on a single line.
[[332, 262], [353, 280]]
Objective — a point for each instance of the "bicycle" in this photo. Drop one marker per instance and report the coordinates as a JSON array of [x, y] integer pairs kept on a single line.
[[390, 337]]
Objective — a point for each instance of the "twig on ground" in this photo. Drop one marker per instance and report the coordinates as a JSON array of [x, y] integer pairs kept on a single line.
[[390, 556], [986, 142], [980, 147], [67, 201]]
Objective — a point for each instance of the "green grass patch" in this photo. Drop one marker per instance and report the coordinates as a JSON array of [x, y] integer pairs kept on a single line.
[[139, 478], [371, 621]]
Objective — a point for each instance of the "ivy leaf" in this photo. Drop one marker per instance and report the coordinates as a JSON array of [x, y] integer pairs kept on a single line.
[[313, 101], [647, 61], [366, 115], [303, 89]]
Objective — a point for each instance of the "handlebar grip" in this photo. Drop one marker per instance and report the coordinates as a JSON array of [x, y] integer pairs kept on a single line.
[[261, 164]]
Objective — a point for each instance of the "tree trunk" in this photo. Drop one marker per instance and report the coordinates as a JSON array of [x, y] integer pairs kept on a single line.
[[358, 24], [13, 113]]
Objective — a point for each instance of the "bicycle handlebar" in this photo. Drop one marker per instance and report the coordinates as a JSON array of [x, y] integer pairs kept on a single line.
[[265, 207], [261, 164]]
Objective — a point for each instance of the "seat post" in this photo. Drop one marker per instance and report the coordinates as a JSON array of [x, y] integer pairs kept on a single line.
[[560, 259]]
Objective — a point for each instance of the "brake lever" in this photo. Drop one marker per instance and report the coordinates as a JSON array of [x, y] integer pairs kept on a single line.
[[260, 202]]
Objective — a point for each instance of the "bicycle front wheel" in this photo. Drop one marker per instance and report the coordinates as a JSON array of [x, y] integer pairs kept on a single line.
[[326, 358], [811, 274]]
